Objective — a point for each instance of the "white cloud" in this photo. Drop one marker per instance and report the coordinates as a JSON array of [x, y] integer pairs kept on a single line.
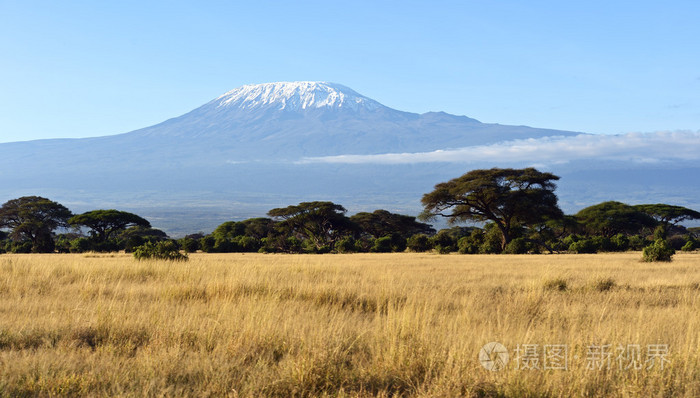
[[636, 147]]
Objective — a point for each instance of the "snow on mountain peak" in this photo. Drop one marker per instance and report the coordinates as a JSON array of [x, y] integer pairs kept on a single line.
[[296, 96]]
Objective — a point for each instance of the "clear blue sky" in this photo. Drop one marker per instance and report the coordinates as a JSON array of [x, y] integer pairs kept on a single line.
[[90, 68]]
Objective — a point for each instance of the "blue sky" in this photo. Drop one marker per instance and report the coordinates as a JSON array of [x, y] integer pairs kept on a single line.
[[89, 68]]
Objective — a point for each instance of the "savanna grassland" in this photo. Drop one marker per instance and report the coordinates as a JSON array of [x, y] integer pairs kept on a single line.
[[344, 325]]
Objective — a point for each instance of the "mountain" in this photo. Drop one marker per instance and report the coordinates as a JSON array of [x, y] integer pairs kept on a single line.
[[255, 148]]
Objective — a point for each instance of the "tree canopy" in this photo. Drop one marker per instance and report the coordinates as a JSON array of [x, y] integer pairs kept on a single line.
[[384, 223], [508, 197], [34, 218], [668, 214], [104, 223], [323, 223], [610, 218]]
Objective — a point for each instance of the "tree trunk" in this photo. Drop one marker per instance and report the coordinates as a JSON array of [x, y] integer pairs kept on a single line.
[[505, 235]]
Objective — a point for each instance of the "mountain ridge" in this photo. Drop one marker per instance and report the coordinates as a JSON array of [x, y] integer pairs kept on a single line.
[[296, 96], [249, 157]]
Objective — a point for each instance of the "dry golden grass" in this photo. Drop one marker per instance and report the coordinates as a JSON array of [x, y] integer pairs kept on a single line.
[[340, 325]]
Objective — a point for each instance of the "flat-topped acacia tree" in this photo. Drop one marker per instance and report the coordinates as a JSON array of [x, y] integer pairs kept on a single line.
[[323, 223], [34, 218], [507, 197], [611, 218], [667, 215], [104, 223]]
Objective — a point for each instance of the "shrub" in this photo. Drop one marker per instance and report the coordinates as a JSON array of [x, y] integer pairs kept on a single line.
[[418, 243], [398, 243], [189, 245], [567, 241], [492, 240], [637, 242], [382, 245], [444, 240], [516, 246], [660, 232], [470, 244], [677, 241], [80, 245], [163, 250], [206, 244], [20, 247], [689, 246], [248, 244], [345, 245], [364, 244], [602, 244], [223, 245], [582, 246], [292, 244], [105, 247], [443, 249], [620, 242], [658, 251]]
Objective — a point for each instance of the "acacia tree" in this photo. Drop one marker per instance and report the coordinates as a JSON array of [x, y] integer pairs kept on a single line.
[[667, 215], [508, 197], [259, 227], [611, 218], [34, 218], [104, 223], [323, 223], [382, 223]]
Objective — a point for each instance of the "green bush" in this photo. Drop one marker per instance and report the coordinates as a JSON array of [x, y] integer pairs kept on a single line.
[[223, 245], [492, 240], [345, 245], [382, 245], [444, 240], [620, 242], [677, 241], [364, 244], [660, 232], [602, 244], [163, 250], [248, 244], [470, 244], [567, 241], [189, 245], [418, 243], [689, 246], [516, 246], [20, 247], [398, 243], [80, 245], [443, 249], [206, 244], [637, 242], [583, 246], [658, 251]]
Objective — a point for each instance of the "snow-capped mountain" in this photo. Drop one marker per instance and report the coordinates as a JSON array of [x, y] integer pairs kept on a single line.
[[290, 120], [295, 96], [247, 151]]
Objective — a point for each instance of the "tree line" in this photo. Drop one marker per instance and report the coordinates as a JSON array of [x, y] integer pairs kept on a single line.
[[516, 211]]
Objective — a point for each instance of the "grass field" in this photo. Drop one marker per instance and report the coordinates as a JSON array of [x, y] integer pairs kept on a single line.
[[349, 325]]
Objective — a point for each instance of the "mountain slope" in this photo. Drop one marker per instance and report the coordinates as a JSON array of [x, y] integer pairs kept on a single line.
[[268, 123], [241, 154]]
